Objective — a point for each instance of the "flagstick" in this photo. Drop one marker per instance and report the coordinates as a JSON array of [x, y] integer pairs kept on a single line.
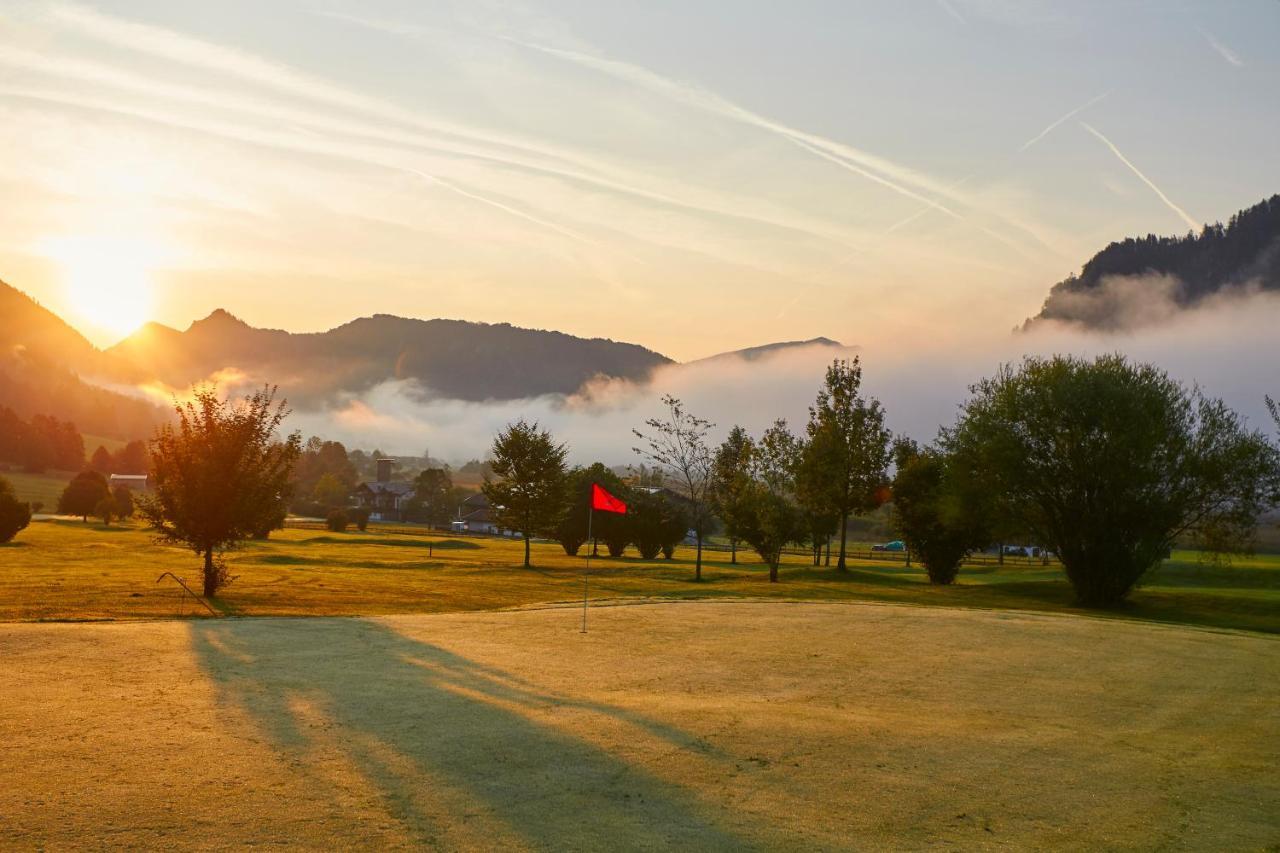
[[591, 515]]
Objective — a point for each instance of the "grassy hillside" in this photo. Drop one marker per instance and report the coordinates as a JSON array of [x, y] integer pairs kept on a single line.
[[44, 488], [69, 570]]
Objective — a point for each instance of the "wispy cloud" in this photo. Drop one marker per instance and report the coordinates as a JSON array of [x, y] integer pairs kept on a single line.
[[895, 177], [398, 125], [1225, 52], [1186, 217], [1053, 125], [901, 178]]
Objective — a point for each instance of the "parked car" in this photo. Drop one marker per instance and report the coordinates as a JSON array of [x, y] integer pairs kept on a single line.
[[895, 545]]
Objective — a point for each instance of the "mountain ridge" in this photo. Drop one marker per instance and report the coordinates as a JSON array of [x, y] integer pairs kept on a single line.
[[1147, 279]]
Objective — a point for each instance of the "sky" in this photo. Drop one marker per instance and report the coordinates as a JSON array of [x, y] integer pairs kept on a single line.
[[694, 177]]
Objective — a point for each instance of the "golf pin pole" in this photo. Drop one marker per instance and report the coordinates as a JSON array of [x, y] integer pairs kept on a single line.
[[591, 515]]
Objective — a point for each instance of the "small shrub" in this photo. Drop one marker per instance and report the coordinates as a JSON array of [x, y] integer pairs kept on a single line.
[[649, 549], [337, 520], [359, 517]]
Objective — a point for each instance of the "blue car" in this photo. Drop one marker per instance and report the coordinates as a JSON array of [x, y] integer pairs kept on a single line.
[[895, 545]]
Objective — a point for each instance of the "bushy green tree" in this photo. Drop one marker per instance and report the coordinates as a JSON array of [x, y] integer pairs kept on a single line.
[[434, 497], [83, 494], [106, 509], [14, 516], [773, 518], [337, 520], [844, 467], [101, 461], [316, 460], [1110, 463], [330, 492], [122, 496], [938, 526], [528, 493], [730, 478], [657, 523], [131, 459], [220, 474], [572, 527]]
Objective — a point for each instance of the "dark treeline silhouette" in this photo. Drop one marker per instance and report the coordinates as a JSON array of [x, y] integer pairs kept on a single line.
[[39, 444], [1243, 253]]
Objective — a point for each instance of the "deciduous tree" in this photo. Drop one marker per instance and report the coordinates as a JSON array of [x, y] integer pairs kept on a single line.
[[82, 494], [773, 518], [730, 481], [434, 496], [106, 510], [14, 516], [528, 493], [930, 513], [123, 498], [220, 474], [846, 460], [1110, 463], [678, 445]]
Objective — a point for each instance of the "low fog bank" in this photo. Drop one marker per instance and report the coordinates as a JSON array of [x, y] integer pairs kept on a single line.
[[1230, 348], [1120, 303]]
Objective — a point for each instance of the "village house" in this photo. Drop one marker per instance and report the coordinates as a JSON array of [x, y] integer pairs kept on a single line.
[[474, 516], [385, 500]]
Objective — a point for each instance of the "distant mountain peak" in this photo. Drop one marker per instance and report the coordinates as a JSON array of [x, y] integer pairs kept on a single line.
[[220, 318], [753, 353]]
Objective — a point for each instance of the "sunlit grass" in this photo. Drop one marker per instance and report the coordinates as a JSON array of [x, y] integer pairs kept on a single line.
[[69, 570]]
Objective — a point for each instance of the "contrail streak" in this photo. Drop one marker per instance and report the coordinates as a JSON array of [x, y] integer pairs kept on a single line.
[[1042, 134], [500, 206], [1225, 52], [900, 177], [871, 176], [1186, 217], [952, 11]]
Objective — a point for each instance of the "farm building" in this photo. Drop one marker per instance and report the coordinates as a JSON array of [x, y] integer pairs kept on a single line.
[[132, 482]]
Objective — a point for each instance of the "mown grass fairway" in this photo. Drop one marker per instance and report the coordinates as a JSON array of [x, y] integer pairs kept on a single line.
[[64, 570], [679, 725]]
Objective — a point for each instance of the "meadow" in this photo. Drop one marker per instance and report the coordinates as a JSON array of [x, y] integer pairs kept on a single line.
[[69, 570], [829, 711]]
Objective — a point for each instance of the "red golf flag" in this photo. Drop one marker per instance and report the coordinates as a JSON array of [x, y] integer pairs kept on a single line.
[[605, 502]]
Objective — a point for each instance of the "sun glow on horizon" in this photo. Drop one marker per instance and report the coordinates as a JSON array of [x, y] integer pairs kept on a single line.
[[107, 280]]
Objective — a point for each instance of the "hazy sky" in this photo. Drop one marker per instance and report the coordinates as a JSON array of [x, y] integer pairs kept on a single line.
[[693, 176]]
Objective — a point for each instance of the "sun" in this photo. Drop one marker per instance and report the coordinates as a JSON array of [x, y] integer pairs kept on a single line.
[[107, 280]]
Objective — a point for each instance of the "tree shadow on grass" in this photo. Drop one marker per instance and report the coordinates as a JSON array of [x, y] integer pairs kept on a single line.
[[425, 727], [295, 560]]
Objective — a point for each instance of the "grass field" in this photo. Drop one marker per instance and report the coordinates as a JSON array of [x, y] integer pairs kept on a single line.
[[681, 725], [45, 488], [65, 570], [867, 710]]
